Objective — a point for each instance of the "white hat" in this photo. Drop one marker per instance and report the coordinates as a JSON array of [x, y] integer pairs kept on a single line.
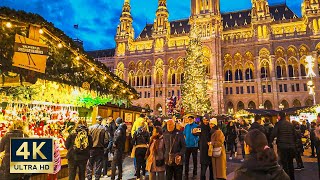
[[214, 121]]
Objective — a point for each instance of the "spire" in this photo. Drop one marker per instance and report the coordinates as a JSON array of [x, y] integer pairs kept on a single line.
[[125, 28], [260, 10], [310, 7], [205, 6], [161, 23]]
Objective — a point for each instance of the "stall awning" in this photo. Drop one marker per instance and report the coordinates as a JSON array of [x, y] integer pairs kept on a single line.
[[262, 112]]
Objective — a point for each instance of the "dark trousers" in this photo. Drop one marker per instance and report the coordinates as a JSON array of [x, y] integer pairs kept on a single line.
[[105, 162], [141, 162], [194, 152], [286, 159], [73, 166], [174, 172], [243, 151], [117, 162], [318, 158], [95, 163], [232, 146], [204, 168], [299, 159], [313, 148]]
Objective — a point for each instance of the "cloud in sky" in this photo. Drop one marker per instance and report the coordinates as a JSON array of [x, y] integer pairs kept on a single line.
[[98, 19]]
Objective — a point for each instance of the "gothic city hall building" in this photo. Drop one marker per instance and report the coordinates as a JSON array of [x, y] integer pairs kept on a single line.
[[255, 58]]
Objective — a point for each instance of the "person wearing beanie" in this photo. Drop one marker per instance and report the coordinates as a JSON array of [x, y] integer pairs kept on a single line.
[[286, 143], [100, 139], [118, 146], [262, 162]]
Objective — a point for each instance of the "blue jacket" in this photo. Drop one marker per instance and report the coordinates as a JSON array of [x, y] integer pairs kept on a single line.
[[191, 139]]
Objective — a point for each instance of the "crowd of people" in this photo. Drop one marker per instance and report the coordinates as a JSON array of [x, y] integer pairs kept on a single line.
[[163, 148]]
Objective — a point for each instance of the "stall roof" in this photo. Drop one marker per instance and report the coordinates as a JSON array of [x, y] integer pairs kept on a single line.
[[263, 112], [293, 110]]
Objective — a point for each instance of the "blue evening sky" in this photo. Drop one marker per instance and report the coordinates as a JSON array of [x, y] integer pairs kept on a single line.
[[98, 19]]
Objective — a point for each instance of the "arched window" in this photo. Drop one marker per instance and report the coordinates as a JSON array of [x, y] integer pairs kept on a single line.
[[296, 103], [230, 108], [279, 72], [267, 104], [173, 79], [285, 104], [240, 106], [228, 75], [182, 77], [264, 72], [309, 102], [238, 75], [249, 74], [252, 105], [303, 70], [291, 72]]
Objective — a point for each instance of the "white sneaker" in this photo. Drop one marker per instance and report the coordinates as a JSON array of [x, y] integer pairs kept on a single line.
[[230, 158], [242, 160]]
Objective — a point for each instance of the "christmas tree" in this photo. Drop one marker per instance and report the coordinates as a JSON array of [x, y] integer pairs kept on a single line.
[[195, 99]]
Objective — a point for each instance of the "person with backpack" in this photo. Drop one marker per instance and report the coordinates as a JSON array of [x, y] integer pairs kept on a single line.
[[78, 145], [140, 141], [262, 162], [100, 139], [118, 146]]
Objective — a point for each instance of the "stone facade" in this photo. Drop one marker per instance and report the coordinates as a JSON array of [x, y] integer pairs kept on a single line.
[[254, 57]]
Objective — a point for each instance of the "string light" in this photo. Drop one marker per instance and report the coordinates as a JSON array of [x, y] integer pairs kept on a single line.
[[59, 45], [124, 91], [92, 69], [105, 77], [115, 85], [131, 96], [8, 25], [40, 31], [77, 58]]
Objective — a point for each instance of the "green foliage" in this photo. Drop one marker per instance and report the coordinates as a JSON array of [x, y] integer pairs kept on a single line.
[[194, 89]]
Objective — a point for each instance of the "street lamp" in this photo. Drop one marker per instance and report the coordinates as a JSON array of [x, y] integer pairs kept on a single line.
[[310, 64], [160, 110], [261, 106], [281, 106]]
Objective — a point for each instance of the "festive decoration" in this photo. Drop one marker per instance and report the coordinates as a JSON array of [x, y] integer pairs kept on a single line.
[[67, 62], [194, 89]]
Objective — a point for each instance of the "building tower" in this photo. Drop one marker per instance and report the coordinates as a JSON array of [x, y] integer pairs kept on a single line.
[[261, 19], [161, 26], [206, 15], [125, 31]]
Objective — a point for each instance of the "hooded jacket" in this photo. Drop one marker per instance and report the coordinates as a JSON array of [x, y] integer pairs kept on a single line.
[[191, 139], [119, 139], [252, 169]]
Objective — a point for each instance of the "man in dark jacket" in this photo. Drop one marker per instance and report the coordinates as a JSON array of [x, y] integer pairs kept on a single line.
[[77, 158], [205, 138], [111, 128], [268, 126], [285, 134], [313, 139], [118, 148], [175, 148], [100, 140], [257, 124]]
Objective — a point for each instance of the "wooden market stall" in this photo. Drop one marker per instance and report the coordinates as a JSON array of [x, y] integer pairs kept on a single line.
[[49, 82], [249, 114]]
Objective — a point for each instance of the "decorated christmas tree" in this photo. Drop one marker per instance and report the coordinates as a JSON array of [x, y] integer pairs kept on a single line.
[[195, 99]]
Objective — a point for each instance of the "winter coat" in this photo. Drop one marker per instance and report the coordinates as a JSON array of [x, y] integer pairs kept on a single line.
[[111, 128], [177, 146], [205, 137], [243, 131], [119, 139], [252, 169], [299, 145], [138, 123], [285, 134], [192, 140], [140, 137], [74, 154], [231, 134], [100, 136], [268, 129], [312, 135], [258, 126], [219, 164], [152, 157], [5, 146]]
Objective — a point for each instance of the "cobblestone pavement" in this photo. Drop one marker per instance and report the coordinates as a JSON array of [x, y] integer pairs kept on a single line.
[[310, 172]]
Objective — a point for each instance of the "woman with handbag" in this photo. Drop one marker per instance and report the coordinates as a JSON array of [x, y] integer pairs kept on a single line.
[[155, 155], [219, 161]]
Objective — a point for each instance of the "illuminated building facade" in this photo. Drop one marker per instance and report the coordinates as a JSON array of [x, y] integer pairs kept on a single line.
[[255, 58]]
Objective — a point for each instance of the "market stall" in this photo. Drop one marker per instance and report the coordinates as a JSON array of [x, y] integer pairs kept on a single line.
[[48, 81], [249, 114]]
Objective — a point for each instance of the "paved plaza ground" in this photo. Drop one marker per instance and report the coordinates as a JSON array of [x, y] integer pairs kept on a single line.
[[310, 172]]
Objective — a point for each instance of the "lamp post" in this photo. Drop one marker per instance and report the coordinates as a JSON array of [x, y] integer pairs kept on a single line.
[[310, 64], [281, 106], [160, 110]]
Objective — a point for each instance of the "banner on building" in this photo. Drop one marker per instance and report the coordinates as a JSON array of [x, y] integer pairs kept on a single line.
[[30, 54]]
